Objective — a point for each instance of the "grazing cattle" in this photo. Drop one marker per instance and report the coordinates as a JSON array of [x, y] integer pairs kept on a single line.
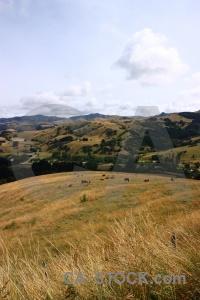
[[85, 182], [127, 179], [70, 185], [107, 177], [112, 177], [101, 179], [103, 175], [146, 180], [172, 179]]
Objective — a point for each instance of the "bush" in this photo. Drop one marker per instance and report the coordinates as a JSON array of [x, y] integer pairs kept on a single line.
[[33, 149], [68, 138], [87, 149], [10, 179], [84, 198], [3, 181], [197, 176], [56, 154], [12, 225]]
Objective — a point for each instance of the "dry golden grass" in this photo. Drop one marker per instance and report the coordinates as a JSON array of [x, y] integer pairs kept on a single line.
[[176, 118], [191, 155], [120, 227]]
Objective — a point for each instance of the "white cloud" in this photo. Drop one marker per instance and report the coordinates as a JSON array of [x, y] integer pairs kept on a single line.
[[39, 99], [190, 96], [58, 110], [148, 61], [112, 102], [50, 104], [10, 111], [86, 89], [127, 106], [181, 105], [84, 104], [92, 102], [106, 89], [193, 79], [79, 90], [82, 96]]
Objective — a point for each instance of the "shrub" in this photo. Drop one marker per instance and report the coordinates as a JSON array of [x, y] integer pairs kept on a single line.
[[84, 198], [10, 179], [3, 181], [12, 225]]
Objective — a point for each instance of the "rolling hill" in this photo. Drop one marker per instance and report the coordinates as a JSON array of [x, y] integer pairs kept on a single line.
[[53, 224], [168, 144]]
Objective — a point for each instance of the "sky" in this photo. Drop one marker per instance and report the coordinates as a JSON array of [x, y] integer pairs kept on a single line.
[[108, 57]]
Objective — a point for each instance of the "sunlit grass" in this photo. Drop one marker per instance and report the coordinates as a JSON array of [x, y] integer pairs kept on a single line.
[[120, 227]]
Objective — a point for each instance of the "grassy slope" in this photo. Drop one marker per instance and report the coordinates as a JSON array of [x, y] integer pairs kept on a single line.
[[95, 132], [192, 154], [121, 227]]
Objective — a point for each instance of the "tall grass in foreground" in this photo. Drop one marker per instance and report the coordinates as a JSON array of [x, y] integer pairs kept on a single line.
[[136, 243]]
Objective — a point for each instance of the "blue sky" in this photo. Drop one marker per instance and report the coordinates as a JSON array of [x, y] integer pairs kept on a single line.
[[99, 56]]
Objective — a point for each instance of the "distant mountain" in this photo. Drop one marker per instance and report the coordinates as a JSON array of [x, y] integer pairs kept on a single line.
[[41, 122], [35, 118], [94, 116], [29, 123], [50, 119], [163, 114]]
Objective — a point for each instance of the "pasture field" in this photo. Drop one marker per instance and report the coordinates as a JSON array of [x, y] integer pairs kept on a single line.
[[189, 154], [53, 224]]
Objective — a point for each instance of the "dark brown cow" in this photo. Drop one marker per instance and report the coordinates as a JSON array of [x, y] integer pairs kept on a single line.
[[146, 180], [70, 185], [127, 179], [85, 182]]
